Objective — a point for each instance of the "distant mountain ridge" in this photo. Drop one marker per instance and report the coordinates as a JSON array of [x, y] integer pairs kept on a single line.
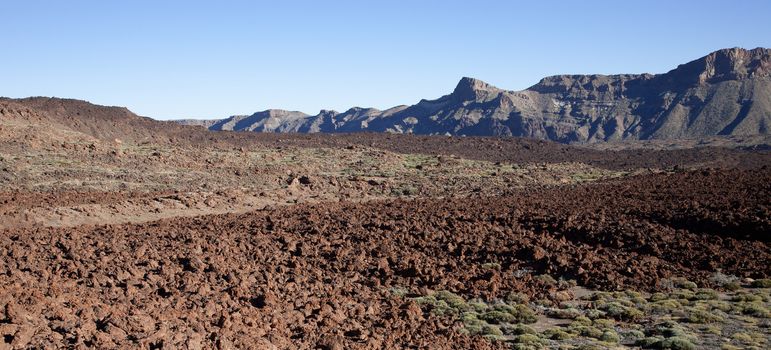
[[727, 92]]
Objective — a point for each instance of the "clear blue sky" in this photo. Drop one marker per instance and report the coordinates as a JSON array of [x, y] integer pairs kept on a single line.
[[175, 59]]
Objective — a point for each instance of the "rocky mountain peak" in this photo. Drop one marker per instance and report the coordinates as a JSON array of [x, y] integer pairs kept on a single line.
[[470, 89], [726, 64]]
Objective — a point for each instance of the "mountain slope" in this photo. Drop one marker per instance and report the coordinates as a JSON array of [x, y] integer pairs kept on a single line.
[[727, 92]]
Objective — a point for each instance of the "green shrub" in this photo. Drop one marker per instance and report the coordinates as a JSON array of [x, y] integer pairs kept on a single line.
[[755, 309], [620, 312], [749, 297], [604, 323], [732, 286], [453, 300], [762, 283], [675, 343], [742, 337], [648, 342], [497, 317], [529, 339], [489, 329], [701, 316], [546, 279], [705, 294], [594, 313], [556, 334], [517, 298], [610, 336], [517, 329], [565, 314]]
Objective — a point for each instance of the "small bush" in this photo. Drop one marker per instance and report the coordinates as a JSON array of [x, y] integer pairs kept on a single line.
[[742, 337], [755, 309], [517, 329], [701, 316], [489, 329], [453, 300], [564, 314], [497, 317], [556, 334], [761, 283], [675, 343], [732, 286], [529, 339], [648, 342], [546, 279], [604, 323], [705, 294], [517, 298], [610, 336], [658, 297], [620, 312], [747, 297]]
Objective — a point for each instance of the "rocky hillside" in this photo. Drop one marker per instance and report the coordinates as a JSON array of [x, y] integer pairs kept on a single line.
[[727, 92]]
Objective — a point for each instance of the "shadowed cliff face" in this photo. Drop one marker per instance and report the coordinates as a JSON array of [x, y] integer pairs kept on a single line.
[[727, 92]]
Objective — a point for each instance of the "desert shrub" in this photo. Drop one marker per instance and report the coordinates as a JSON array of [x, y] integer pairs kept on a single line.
[[682, 294], [762, 283], [712, 330], [604, 323], [648, 342], [491, 266], [565, 314], [658, 297], [719, 305], [635, 334], [729, 347], [620, 312], [529, 339], [581, 321], [453, 300], [546, 279], [556, 334], [684, 283], [473, 325], [427, 300], [468, 316], [701, 316], [489, 329], [732, 286], [517, 329], [523, 314], [675, 343], [588, 331], [497, 317], [705, 294], [594, 313], [441, 308], [746, 297], [665, 306], [517, 298], [742, 337], [477, 305], [610, 336], [755, 309]]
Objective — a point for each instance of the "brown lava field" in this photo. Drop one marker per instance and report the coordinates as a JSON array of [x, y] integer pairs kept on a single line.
[[120, 232]]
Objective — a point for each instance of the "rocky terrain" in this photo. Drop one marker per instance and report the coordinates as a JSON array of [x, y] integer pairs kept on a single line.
[[118, 231], [727, 92]]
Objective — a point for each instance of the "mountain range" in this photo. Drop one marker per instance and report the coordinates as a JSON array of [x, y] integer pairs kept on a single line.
[[727, 92]]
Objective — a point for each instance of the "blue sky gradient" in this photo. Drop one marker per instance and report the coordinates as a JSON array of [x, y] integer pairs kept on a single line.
[[211, 59]]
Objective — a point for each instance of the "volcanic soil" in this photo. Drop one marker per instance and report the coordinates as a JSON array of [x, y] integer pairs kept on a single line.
[[176, 237]]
